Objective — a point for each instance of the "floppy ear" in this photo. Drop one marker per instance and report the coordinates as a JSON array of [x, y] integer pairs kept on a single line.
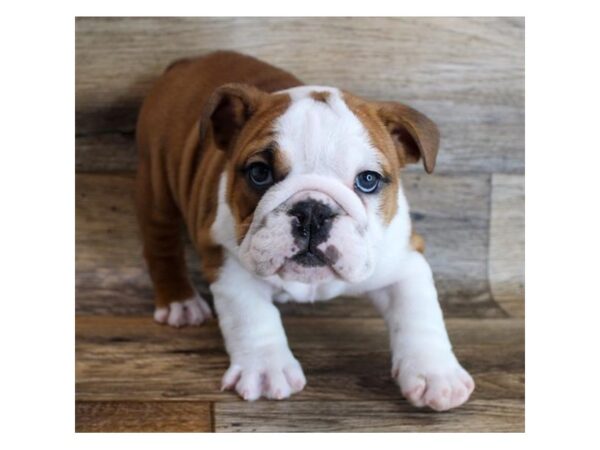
[[413, 133], [227, 111]]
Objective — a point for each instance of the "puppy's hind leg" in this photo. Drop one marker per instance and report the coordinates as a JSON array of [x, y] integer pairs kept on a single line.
[[177, 302]]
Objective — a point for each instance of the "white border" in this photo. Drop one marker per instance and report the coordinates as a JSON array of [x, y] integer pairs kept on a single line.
[[38, 228]]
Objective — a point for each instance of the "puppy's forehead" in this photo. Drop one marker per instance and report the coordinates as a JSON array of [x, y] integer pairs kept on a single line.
[[320, 134]]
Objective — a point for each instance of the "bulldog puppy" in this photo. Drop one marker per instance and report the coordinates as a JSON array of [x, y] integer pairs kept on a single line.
[[289, 193]]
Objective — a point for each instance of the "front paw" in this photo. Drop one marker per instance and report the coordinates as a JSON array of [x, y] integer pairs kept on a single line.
[[270, 374], [437, 381], [193, 311]]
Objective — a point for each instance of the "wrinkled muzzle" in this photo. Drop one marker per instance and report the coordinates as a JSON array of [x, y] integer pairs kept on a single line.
[[310, 229]]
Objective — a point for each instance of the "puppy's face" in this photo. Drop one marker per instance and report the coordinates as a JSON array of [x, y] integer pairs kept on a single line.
[[313, 176]]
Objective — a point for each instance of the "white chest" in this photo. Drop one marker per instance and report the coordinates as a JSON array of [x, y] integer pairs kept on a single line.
[[286, 291]]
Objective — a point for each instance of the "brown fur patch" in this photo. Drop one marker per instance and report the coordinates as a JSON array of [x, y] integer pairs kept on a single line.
[[320, 96], [255, 142], [417, 242]]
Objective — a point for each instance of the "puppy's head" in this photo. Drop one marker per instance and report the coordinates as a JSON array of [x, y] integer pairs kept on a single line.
[[313, 176]]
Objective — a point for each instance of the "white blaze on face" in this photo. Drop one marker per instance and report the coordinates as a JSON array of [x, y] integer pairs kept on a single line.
[[326, 146], [324, 137]]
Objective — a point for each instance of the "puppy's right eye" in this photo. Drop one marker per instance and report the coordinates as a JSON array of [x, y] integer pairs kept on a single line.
[[260, 175], [368, 182]]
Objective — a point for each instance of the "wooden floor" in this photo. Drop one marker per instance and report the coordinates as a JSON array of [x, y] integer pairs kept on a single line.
[[467, 74], [134, 375]]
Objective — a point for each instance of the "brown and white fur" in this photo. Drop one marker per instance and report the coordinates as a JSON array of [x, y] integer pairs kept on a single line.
[[204, 123]]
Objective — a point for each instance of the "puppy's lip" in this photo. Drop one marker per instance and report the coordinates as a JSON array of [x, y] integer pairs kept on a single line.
[[308, 268], [293, 271], [309, 258]]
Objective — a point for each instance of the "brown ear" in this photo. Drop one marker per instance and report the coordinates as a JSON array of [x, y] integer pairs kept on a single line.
[[227, 111], [413, 133]]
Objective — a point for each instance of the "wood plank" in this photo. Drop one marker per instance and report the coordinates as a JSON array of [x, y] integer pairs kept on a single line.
[[111, 277], [165, 417], [466, 73], [109, 273], [381, 416], [452, 214], [133, 359], [507, 243], [106, 152]]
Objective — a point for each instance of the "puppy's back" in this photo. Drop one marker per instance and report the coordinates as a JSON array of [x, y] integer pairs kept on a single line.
[[175, 102]]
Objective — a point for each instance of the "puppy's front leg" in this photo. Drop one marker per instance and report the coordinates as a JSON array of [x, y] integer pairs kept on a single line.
[[261, 363], [423, 363]]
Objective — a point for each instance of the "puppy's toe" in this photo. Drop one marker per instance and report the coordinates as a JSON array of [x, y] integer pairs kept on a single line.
[[439, 393], [295, 377], [276, 385], [161, 315], [413, 389], [249, 385], [193, 311], [177, 317], [231, 377]]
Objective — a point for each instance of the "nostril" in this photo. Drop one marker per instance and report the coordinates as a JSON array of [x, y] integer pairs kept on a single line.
[[302, 212], [321, 214], [300, 216]]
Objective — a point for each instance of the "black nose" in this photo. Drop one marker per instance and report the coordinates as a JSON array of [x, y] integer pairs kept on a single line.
[[313, 221]]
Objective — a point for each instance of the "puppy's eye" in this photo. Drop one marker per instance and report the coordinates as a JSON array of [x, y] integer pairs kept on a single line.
[[368, 182], [260, 175]]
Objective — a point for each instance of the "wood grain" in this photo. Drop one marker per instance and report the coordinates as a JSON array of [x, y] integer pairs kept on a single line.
[[133, 359], [507, 243], [450, 211], [466, 73], [164, 417], [106, 152], [380, 416]]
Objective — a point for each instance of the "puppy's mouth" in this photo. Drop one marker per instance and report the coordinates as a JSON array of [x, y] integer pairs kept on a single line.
[[313, 257], [308, 258], [311, 265]]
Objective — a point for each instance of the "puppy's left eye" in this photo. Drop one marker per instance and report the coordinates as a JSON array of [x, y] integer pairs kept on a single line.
[[368, 182], [260, 175]]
